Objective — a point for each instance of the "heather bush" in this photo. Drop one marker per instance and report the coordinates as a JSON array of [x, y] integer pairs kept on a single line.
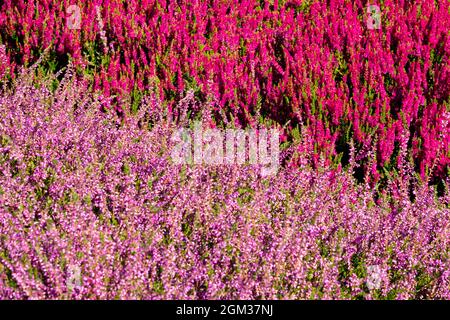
[[84, 192], [314, 64]]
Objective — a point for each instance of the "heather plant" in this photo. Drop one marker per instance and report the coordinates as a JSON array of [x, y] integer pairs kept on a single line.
[[93, 207], [348, 70]]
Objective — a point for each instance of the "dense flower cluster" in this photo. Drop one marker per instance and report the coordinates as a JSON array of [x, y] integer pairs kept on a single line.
[[91, 206], [297, 61]]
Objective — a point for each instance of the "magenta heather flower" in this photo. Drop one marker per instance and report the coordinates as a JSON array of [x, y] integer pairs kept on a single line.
[[347, 70]]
